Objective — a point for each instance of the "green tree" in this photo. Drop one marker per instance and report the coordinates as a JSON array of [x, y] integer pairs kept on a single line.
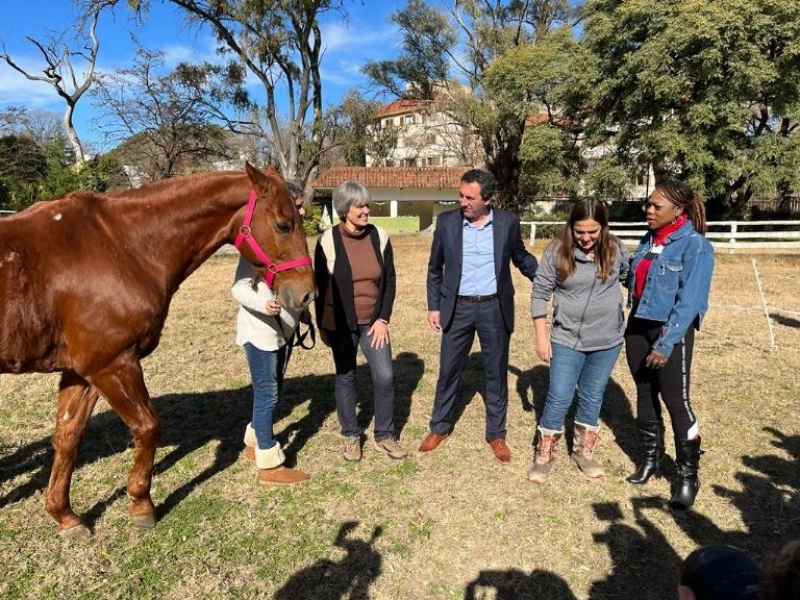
[[23, 164], [707, 91], [537, 84], [447, 52]]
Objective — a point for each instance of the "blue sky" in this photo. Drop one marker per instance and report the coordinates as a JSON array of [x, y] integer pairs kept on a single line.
[[367, 35]]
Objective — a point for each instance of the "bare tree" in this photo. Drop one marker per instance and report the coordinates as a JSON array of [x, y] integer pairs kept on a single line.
[[60, 71], [42, 126], [167, 125], [279, 42]]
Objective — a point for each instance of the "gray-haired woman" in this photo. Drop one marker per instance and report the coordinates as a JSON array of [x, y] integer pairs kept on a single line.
[[354, 269]]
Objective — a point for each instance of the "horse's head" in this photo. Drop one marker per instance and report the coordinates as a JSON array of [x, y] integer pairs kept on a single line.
[[273, 239]]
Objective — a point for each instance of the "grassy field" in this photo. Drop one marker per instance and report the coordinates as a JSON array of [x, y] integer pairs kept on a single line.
[[452, 524]]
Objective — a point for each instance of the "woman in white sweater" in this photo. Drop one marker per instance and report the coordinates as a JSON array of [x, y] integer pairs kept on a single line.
[[263, 329]]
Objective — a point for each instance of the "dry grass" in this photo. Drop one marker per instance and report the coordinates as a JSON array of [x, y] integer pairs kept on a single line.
[[454, 524]]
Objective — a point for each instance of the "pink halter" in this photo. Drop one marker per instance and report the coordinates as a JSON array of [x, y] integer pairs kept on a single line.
[[245, 235]]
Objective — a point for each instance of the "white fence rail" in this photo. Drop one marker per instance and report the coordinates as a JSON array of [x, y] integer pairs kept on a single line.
[[726, 235]]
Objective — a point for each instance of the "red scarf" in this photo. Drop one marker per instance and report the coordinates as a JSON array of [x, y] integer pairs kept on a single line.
[[659, 238]]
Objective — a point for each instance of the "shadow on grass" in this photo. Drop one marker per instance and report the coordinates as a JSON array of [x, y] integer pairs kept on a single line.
[[513, 584], [785, 320], [769, 502], [473, 383], [644, 563], [188, 422], [350, 577], [616, 414], [408, 368]]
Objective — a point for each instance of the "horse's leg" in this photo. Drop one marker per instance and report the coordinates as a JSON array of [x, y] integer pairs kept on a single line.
[[76, 401], [122, 385]]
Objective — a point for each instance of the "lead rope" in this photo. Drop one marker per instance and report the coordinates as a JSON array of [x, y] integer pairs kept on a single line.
[[298, 338]]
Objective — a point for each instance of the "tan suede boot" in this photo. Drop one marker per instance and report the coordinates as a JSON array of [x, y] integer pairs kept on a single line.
[[281, 475], [271, 469], [584, 441], [544, 454]]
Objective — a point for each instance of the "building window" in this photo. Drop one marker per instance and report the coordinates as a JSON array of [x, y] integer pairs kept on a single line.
[[409, 162]]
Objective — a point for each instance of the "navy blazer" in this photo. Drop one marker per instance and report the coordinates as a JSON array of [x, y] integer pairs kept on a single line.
[[444, 266]]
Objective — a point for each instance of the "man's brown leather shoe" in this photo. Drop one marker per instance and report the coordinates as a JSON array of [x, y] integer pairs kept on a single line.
[[501, 451], [432, 442]]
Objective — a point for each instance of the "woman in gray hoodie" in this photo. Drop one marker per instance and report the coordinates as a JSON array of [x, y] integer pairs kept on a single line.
[[581, 271]]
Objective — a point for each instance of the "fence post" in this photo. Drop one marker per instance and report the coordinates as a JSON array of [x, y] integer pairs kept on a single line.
[[732, 239], [533, 233]]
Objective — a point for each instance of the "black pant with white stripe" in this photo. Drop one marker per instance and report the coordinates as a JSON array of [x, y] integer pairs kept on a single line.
[[671, 381]]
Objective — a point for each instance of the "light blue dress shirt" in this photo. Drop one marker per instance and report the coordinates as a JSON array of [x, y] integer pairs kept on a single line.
[[478, 276]]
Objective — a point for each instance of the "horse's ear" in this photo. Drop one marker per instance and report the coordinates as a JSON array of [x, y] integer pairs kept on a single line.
[[257, 178]]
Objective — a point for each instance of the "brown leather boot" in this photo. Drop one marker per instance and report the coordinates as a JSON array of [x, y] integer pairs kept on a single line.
[[544, 454], [281, 475], [585, 440]]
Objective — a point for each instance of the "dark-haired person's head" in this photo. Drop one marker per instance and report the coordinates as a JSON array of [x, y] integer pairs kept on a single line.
[[484, 179], [296, 192], [475, 194], [719, 572], [669, 201], [781, 577]]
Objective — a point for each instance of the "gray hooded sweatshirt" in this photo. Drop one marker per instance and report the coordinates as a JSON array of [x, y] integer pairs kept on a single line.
[[587, 311]]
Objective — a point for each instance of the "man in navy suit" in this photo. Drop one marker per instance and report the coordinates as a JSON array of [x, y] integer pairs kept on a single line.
[[470, 290]]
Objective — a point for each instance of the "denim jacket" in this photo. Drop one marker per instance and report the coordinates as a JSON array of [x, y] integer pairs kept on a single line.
[[677, 286]]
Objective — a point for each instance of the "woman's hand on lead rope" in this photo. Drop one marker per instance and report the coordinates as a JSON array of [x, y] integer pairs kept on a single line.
[[655, 360], [379, 334], [273, 308]]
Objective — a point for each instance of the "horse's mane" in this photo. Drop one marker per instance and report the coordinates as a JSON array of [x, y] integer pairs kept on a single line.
[[184, 181]]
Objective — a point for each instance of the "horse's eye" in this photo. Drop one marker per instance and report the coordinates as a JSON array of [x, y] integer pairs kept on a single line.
[[284, 227]]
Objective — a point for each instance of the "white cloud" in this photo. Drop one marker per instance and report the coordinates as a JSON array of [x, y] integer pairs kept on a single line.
[[17, 89], [344, 38]]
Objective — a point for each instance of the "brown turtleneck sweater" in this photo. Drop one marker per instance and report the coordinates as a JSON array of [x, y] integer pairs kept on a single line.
[[366, 272]]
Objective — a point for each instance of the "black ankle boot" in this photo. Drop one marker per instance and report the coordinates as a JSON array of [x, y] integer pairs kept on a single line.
[[651, 436], [687, 455]]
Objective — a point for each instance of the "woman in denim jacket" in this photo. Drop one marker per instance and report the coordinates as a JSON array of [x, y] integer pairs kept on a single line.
[[581, 271], [668, 286]]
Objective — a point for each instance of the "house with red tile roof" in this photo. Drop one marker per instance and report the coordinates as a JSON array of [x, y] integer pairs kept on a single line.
[[418, 176], [421, 192]]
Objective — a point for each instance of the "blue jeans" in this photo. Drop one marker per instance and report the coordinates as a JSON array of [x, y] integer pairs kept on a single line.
[[590, 372], [266, 373], [344, 345]]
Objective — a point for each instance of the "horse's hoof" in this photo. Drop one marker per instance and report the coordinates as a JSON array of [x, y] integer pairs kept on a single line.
[[145, 520], [78, 533]]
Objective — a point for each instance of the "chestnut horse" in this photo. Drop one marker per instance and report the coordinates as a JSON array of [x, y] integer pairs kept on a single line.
[[85, 285]]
